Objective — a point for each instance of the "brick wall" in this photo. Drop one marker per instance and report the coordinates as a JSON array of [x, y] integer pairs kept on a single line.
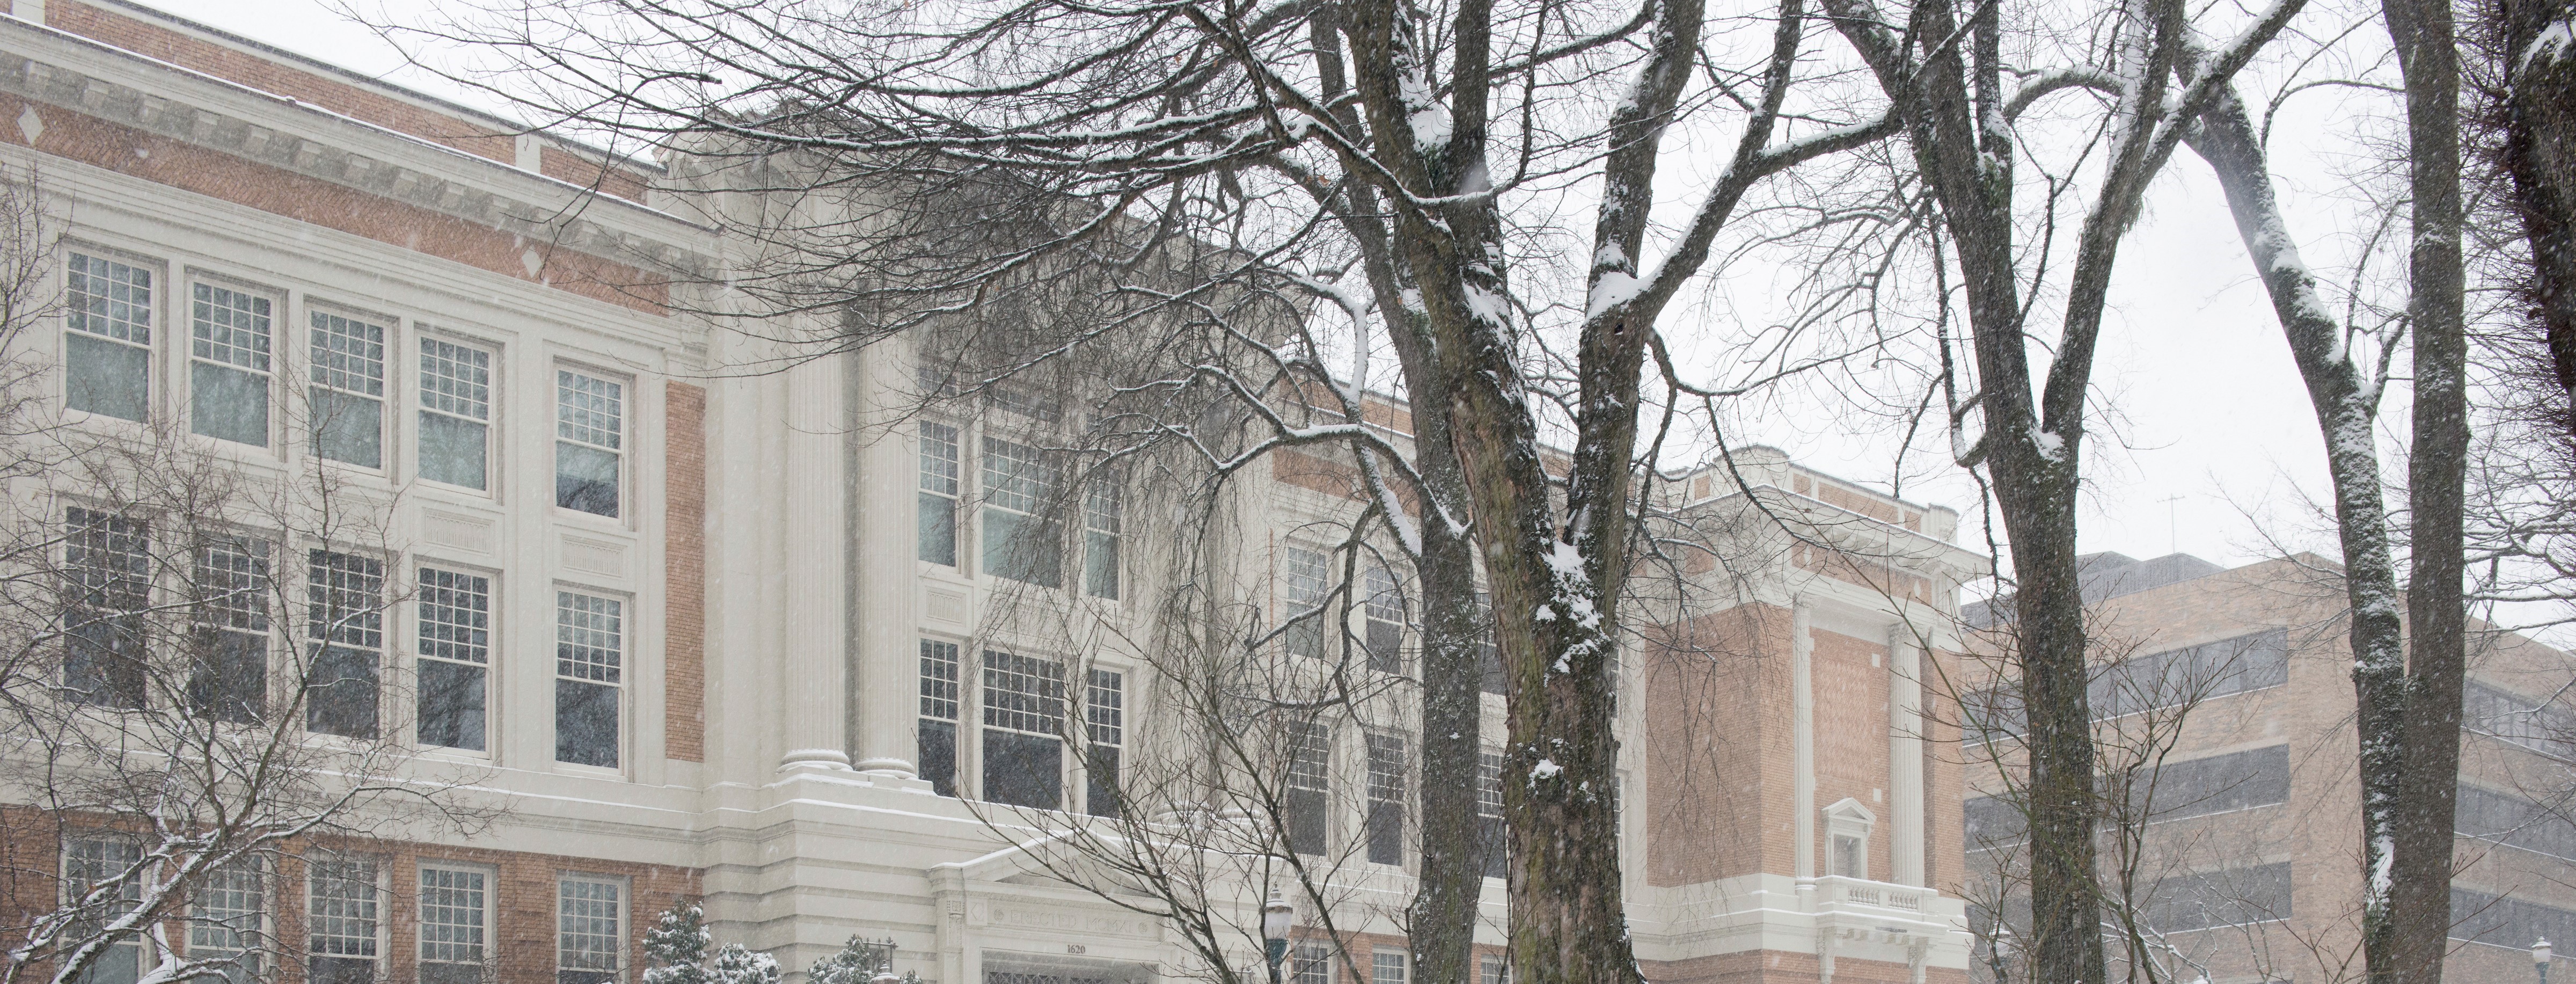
[[1851, 740], [1716, 747], [684, 572], [188, 167]]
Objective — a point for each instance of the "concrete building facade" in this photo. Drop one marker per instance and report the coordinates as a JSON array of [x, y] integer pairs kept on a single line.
[[787, 672]]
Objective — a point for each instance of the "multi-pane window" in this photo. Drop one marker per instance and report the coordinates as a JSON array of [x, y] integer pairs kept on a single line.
[[228, 363], [343, 915], [100, 884], [1493, 968], [1302, 581], [344, 595], [1310, 963], [940, 484], [1386, 797], [1305, 797], [1851, 858], [455, 649], [589, 934], [227, 915], [1104, 712], [107, 342], [1489, 655], [937, 737], [2515, 822], [1023, 730], [2540, 725], [1019, 542], [455, 906], [228, 672], [107, 579], [590, 654], [1100, 526], [2195, 673], [1489, 811], [590, 427], [2182, 903], [455, 413], [1386, 966], [348, 401], [1384, 613]]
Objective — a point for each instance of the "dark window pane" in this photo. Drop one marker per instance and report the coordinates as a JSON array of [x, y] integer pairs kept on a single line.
[[1100, 794], [105, 664], [938, 740], [585, 977], [230, 679], [228, 404], [585, 479], [1306, 818], [585, 723], [1489, 666], [341, 693], [340, 970], [451, 704], [937, 515], [1023, 770], [1385, 646], [104, 377], [450, 973], [1023, 548], [121, 964], [1100, 564], [348, 428], [452, 450], [1385, 833]]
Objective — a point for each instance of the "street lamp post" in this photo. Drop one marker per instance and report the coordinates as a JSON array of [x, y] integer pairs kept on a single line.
[[2540, 959], [1276, 915]]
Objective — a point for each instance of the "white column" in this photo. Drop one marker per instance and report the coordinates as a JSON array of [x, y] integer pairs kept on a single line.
[[886, 655], [1905, 752], [813, 699], [1802, 732]]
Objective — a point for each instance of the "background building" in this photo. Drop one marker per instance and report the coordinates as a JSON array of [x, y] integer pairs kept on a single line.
[[2226, 708]]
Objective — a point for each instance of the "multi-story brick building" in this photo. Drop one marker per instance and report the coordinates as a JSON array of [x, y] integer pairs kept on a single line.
[[786, 674], [2226, 710]]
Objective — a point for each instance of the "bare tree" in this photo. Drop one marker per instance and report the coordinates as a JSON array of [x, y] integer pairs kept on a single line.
[[193, 695]]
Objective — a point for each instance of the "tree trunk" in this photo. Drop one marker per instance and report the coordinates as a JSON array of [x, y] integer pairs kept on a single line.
[[2540, 156], [2346, 406], [2406, 943]]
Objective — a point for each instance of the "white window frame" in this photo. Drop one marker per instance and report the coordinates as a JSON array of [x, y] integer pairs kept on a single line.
[[425, 650], [278, 309], [420, 915], [621, 453], [319, 373], [156, 327], [426, 405], [624, 916], [622, 671], [380, 899]]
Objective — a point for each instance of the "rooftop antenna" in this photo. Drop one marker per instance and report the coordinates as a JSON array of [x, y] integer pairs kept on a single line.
[[2173, 526]]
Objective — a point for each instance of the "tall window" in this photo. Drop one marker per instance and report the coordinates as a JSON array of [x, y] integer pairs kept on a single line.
[[1306, 797], [1489, 656], [1310, 963], [1489, 811], [100, 883], [589, 663], [228, 364], [345, 597], [1386, 797], [227, 920], [455, 413], [107, 575], [1104, 710], [1100, 525], [1493, 968], [590, 422], [344, 913], [455, 647], [940, 484], [107, 342], [1302, 580], [1849, 862], [1019, 543], [1384, 612], [1023, 737], [348, 402], [455, 906], [589, 933], [228, 675], [937, 737], [1386, 966]]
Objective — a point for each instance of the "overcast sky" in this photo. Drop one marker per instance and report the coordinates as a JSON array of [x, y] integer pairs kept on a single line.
[[2214, 442]]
